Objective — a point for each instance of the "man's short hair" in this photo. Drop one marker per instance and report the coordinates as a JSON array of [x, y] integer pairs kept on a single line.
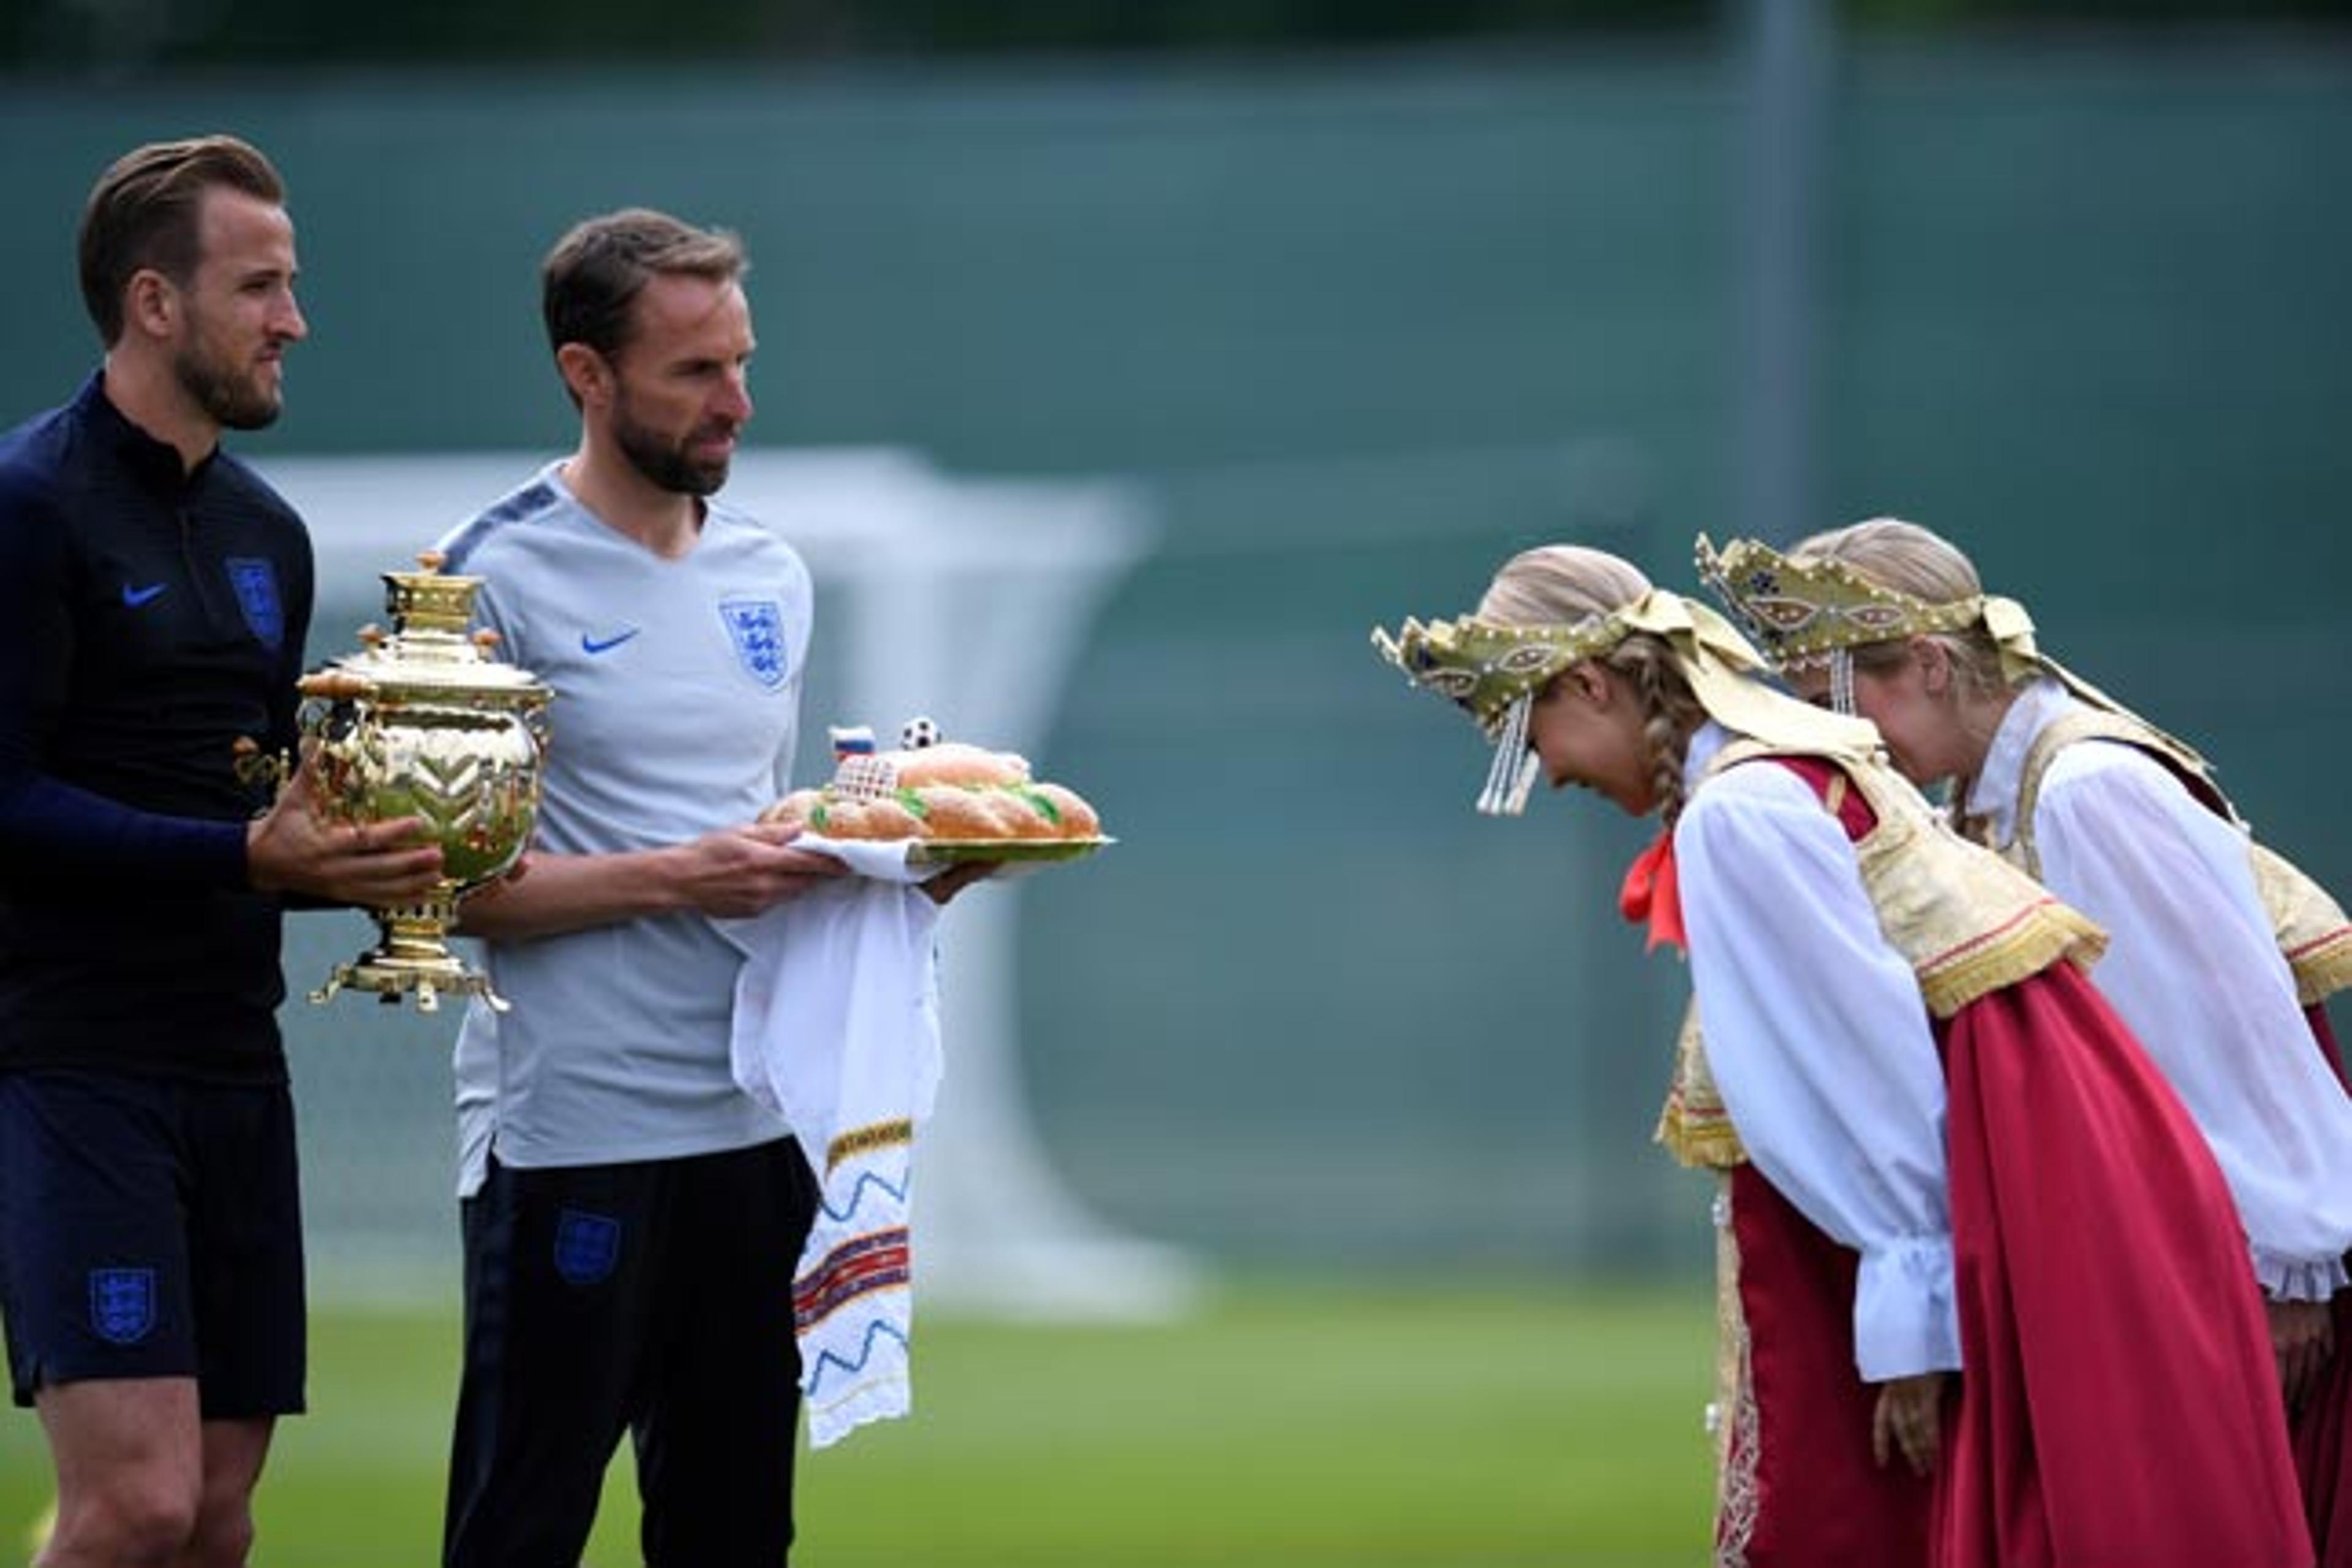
[[143, 213], [595, 272]]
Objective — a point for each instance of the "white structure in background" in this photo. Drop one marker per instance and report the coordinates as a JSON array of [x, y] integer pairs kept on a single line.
[[966, 600]]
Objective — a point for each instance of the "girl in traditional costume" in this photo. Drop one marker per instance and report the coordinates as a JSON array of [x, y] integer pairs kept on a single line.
[[1943, 1150], [2220, 952]]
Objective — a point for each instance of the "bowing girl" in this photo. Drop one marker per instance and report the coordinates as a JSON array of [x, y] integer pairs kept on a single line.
[[1945, 1151], [2220, 952]]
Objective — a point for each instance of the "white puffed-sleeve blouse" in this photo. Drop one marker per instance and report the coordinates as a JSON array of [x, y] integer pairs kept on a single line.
[[2193, 966], [1820, 1043]]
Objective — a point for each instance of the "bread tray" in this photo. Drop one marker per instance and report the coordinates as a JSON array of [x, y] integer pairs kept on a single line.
[[957, 851]]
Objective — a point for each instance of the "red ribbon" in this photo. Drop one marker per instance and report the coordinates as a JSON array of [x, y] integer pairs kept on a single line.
[[1651, 894]]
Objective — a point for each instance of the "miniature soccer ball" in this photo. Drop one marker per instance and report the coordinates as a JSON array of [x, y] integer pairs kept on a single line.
[[918, 733]]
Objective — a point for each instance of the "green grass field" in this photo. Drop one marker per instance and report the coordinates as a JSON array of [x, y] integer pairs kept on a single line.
[[1280, 1427]]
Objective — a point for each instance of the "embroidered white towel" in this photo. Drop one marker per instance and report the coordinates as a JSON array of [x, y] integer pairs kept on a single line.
[[837, 1029]]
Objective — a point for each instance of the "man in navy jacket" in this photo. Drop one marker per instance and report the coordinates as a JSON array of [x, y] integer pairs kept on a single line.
[[154, 596]]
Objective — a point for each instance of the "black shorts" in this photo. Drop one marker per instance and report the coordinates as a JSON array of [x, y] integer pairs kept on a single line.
[[151, 1228], [654, 1298]]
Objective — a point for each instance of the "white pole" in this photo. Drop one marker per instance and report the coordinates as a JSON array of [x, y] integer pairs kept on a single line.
[[1786, 48]]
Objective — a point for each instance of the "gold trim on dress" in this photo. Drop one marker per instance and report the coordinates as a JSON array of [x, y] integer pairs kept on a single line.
[[1693, 1126], [1736, 1424]]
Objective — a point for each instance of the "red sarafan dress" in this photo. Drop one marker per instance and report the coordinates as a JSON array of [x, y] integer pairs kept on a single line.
[[2214, 1017], [1810, 1488], [2118, 1405], [2322, 1432]]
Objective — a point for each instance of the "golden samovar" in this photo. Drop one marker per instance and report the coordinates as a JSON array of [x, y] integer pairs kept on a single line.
[[424, 721]]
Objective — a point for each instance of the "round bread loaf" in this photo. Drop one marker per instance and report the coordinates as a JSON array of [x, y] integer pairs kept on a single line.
[[794, 808], [1031, 815], [953, 812], [1073, 817], [950, 793], [889, 818], [953, 763]]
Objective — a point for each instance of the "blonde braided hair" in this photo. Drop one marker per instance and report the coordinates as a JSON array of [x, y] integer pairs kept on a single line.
[[1561, 585]]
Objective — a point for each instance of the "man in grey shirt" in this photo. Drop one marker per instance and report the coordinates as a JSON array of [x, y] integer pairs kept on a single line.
[[631, 1218]]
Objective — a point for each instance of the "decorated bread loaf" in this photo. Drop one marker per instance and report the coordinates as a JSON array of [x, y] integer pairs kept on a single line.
[[942, 790]]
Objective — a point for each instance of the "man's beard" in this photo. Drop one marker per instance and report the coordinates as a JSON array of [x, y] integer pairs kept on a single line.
[[234, 402], [665, 464]]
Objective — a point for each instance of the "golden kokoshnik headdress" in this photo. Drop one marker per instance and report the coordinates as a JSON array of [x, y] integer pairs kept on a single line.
[[1497, 673], [1803, 612], [1808, 614]]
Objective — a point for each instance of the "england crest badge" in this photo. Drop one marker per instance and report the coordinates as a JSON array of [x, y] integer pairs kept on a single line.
[[122, 1304], [586, 1246], [255, 582], [757, 627]]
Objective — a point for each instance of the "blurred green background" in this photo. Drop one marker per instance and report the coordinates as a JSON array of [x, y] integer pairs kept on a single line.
[[1357, 309]]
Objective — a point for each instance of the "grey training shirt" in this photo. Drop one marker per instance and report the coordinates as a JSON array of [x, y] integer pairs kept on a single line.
[[677, 687]]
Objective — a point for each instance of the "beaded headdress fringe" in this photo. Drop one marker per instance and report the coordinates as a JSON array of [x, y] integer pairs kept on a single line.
[[1512, 778]]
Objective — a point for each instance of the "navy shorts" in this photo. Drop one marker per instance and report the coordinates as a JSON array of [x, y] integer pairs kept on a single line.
[[151, 1228]]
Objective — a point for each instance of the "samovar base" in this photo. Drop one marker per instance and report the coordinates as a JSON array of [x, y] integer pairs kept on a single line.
[[414, 959], [392, 976]]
